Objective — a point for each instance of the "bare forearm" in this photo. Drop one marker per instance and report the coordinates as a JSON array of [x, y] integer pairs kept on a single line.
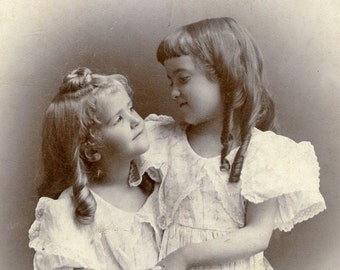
[[243, 243], [238, 245]]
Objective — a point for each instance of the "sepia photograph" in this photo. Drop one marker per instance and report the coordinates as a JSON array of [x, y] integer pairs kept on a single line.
[[170, 135]]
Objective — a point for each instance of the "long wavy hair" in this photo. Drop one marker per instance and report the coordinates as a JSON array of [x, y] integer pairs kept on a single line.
[[70, 142], [229, 55]]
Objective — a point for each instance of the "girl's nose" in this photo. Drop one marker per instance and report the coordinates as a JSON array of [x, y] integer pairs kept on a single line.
[[175, 93], [135, 120]]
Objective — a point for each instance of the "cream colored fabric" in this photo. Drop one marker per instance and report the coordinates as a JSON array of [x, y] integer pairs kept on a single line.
[[116, 240], [198, 203]]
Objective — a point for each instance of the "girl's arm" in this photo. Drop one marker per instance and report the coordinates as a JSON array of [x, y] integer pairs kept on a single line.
[[243, 243]]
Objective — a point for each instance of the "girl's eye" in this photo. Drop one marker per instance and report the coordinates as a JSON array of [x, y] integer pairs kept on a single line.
[[117, 120], [184, 79]]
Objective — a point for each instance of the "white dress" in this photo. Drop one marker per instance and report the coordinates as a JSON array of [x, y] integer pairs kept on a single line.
[[115, 240], [197, 202]]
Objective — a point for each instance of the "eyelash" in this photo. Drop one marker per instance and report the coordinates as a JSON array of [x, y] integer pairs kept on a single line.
[[183, 79], [120, 118], [180, 80]]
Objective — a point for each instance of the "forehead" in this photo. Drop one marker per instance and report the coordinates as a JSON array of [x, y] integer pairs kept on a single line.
[[178, 64], [110, 103]]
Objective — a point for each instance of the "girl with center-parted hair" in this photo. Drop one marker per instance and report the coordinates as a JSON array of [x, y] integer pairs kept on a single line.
[[89, 216]]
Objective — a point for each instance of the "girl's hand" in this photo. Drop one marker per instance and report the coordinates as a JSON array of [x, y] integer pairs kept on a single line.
[[174, 261]]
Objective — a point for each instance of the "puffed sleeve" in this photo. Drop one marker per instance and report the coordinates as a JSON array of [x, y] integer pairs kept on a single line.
[[57, 241], [277, 167], [154, 161]]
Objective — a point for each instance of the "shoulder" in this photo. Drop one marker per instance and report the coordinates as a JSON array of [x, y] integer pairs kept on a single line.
[[271, 145], [160, 129], [159, 124], [277, 164], [160, 119], [50, 209], [55, 221], [57, 237], [278, 167], [271, 139]]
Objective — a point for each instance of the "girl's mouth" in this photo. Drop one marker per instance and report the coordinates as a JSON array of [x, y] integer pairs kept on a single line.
[[138, 134]]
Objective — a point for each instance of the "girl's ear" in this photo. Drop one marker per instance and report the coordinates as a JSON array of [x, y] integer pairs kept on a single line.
[[91, 154]]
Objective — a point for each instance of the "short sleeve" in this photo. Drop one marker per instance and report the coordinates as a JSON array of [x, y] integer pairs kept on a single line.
[[277, 167], [54, 236], [154, 161], [41, 261]]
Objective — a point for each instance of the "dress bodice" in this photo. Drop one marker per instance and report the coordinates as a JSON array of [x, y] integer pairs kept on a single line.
[[115, 240], [198, 203]]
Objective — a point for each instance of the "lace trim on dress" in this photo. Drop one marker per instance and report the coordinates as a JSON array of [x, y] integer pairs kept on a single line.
[[300, 217], [277, 167]]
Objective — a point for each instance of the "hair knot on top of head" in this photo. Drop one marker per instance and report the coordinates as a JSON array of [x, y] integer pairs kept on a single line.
[[78, 79]]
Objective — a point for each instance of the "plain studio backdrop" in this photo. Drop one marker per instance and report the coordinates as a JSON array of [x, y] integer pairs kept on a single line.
[[42, 40]]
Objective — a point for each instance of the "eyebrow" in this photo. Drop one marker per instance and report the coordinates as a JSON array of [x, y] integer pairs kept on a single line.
[[111, 118], [176, 71]]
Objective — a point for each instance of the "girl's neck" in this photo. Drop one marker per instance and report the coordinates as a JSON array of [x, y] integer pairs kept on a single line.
[[115, 189], [116, 172], [204, 138]]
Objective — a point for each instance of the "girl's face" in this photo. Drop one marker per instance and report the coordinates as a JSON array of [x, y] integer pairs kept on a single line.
[[122, 129], [198, 98]]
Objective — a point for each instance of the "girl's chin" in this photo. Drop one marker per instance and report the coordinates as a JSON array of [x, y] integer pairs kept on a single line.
[[190, 121], [145, 148], [142, 148]]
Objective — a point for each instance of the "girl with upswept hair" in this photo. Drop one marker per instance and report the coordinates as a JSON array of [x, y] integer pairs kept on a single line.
[[90, 215]]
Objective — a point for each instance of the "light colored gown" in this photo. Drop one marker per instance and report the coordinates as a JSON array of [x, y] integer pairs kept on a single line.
[[115, 240], [197, 202]]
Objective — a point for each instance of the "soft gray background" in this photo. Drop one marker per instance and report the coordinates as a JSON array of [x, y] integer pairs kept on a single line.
[[41, 40]]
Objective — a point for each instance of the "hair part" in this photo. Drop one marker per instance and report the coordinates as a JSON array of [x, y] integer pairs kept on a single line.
[[230, 56]]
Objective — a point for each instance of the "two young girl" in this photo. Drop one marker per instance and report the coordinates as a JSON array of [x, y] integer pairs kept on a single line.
[[89, 216], [227, 180]]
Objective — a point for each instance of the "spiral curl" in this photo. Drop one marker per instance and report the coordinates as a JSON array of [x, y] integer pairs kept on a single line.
[[229, 56], [70, 141]]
